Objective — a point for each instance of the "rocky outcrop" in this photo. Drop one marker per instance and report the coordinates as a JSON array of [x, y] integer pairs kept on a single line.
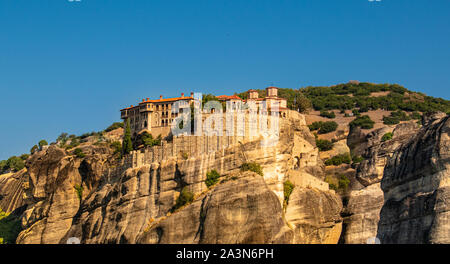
[[11, 191], [99, 199], [238, 211], [416, 186], [364, 202], [314, 216]]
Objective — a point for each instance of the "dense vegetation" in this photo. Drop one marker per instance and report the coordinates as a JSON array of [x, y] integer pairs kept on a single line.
[[362, 121], [10, 228], [324, 144], [357, 95], [339, 159]]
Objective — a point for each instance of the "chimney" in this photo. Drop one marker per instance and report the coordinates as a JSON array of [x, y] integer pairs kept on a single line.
[[147, 99], [182, 94], [192, 94], [160, 97], [143, 100]]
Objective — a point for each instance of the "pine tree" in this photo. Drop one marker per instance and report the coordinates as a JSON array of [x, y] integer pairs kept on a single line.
[[127, 145]]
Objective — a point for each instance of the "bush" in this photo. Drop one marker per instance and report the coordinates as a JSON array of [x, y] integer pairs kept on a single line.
[[357, 159], [396, 117], [42, 143], [114, 126], [327, 114], [24, 157], [185, 197], [79, 191], [328, 127], [288, 188], [10, 228], [79, 153], [339, 159], [387, 136], [13, 164], [362, 121], [252, 166], [323, 127], [416, 115], [34, 149], [356, 112], [343, 182], [324, 144], [212, 177], [185, 155]]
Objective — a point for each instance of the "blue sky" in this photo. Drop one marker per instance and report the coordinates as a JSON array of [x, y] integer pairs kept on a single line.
[[70, 66]]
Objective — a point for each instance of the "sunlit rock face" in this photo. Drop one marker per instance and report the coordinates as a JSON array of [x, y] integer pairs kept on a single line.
[[416, 186]]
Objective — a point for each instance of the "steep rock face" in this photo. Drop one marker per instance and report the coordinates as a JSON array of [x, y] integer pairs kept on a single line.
[[101, 200], [238, 211], [11, 191], [364, 202], [416, 186], [314, 216]]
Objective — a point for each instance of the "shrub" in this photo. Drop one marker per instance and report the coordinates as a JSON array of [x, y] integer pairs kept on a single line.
[[24, 156], [184, 198], [185, 155], [114, 126], [13, 164], [79, 191], [387, 136], [362, 121], [212, 177], [252, 166], [339, 159], [42, 143], [79, 153], [327, 114], [315, 126], [396, 117], [127, 144], [328, 127], [323, 127], [10, 228], [357, 159], [3, 166], [324, 144], [288, 188], [34, 149], [343, 182], [416, 115]]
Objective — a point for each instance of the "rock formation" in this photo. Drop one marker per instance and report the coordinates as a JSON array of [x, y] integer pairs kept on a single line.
[[416, 186], [100, 199], [364, 202]]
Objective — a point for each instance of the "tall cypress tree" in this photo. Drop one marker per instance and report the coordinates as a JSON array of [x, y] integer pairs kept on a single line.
[[127, 144]]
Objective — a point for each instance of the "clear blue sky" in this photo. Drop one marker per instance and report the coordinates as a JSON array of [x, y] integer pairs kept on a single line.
[[70, 66]]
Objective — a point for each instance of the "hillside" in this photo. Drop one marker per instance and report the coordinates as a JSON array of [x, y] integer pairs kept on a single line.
[[331, 178]]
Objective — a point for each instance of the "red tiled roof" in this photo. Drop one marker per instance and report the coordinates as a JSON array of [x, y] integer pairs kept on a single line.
[[228, 97]]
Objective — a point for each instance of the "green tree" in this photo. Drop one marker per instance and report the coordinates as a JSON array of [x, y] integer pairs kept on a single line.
[[184, 198], [387, 136], [252, 166], [79, 153], [288, 187], [15, 163], [10, 228], [362, 121], [212, 177], [42, 143], [127, 144], [324, 144]]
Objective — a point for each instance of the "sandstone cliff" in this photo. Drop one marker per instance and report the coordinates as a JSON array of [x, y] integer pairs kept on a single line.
[[103, 200], [416, 186], [364, 202]]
